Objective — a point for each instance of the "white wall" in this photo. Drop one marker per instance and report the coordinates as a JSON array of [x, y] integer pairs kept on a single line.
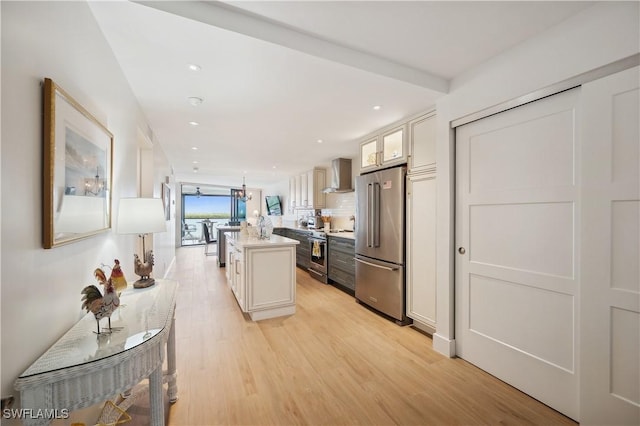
[[600, 35], [41, 288]]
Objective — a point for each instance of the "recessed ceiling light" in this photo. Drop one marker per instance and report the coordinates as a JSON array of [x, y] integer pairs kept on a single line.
[[319, 140], [377, 107], [194, 67], [274, 167], [195, 162], [195, 148], [194, 123], [195, 101]]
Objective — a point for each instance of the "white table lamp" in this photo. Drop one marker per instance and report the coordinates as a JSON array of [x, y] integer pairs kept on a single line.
[[141, 216]]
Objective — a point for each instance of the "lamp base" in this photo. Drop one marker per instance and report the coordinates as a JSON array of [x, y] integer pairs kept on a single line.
[[144, 283]]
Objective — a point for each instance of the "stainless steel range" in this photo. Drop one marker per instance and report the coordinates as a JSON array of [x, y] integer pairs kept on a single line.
[[318, 260]]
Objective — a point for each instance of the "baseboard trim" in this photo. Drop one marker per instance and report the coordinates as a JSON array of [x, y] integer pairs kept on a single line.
[[443, 345], [171, 265]]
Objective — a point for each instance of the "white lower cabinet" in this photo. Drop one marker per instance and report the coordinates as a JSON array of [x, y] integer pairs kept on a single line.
[[237, 271], [229, 254], [262, 275], [421, 250]]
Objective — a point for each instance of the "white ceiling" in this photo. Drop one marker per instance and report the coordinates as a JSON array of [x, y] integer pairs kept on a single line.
[[277, 76]]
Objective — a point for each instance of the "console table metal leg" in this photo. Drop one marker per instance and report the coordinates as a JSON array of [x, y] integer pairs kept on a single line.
[[156, 405], [172, 388]]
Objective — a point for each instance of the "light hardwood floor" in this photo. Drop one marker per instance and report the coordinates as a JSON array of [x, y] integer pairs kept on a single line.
[[334, 362]]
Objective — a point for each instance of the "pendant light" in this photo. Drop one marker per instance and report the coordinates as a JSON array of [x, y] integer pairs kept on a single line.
[[242, 194]]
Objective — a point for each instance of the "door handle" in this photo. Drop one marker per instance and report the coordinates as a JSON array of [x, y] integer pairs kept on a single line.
[[387, 268], [462, 250]]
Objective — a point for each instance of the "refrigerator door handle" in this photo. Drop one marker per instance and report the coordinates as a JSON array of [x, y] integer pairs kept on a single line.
[[376, 266], [369, 215], [376, 214]]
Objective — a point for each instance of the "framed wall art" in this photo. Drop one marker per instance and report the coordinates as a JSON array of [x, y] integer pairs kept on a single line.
[[77, 175]]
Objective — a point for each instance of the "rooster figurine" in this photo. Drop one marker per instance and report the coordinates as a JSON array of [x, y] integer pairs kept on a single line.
[[144, 270], [100, 305], [117, 277]]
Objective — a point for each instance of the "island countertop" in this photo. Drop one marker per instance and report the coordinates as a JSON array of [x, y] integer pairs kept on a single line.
[[244, 240]]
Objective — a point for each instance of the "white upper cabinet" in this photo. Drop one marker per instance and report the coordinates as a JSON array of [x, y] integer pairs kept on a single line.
[[369, 154], [316, 182], [306, 189], [388, 148], [422, 144], [393, 146], [298, 189], [292, 193]]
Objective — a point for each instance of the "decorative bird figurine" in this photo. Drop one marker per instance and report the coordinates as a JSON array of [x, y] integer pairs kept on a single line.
[[144, 270], [100, 305], [117, 277]]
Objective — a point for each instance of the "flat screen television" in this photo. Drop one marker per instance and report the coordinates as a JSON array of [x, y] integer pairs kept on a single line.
[[274, 208]]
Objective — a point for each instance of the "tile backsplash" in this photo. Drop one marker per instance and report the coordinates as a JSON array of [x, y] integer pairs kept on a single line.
[[341, 206]]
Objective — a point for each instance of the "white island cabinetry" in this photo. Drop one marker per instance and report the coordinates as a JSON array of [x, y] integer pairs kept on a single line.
[[262, 274]]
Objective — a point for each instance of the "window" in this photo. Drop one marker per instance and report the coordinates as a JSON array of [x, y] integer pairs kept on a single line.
[[200, 209]]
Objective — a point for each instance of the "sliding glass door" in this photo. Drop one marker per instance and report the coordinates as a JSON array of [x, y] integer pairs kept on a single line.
[[200, 210], [238, 206]]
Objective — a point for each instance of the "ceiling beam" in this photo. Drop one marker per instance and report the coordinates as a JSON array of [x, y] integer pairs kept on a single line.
[[237, 20]]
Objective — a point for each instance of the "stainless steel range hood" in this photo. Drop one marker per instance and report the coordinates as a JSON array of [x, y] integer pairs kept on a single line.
[[340, 176]]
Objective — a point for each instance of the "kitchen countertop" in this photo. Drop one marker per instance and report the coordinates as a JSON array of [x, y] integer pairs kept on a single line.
[[245, 241], [295, 228], [345, 235], [340, 234]]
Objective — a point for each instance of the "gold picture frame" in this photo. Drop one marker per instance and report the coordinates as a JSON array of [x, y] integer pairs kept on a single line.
[[77, 172]]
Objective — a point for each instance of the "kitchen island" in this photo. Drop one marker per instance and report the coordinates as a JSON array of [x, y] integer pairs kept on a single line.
[[262, 274], [222, 242]]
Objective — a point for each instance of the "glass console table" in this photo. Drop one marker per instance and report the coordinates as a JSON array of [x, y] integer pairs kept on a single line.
[[84, 368]]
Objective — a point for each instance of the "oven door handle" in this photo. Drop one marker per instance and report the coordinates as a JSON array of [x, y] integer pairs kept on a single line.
[[387, 268], [315, 272]]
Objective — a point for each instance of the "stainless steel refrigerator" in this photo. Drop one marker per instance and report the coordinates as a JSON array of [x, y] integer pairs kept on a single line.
[[380, 241]]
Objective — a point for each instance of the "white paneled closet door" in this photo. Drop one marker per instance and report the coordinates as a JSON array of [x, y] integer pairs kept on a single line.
[[517, 242], [610, 320]]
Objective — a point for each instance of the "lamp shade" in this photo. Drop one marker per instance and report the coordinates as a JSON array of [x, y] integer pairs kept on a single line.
[[140, 216]]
